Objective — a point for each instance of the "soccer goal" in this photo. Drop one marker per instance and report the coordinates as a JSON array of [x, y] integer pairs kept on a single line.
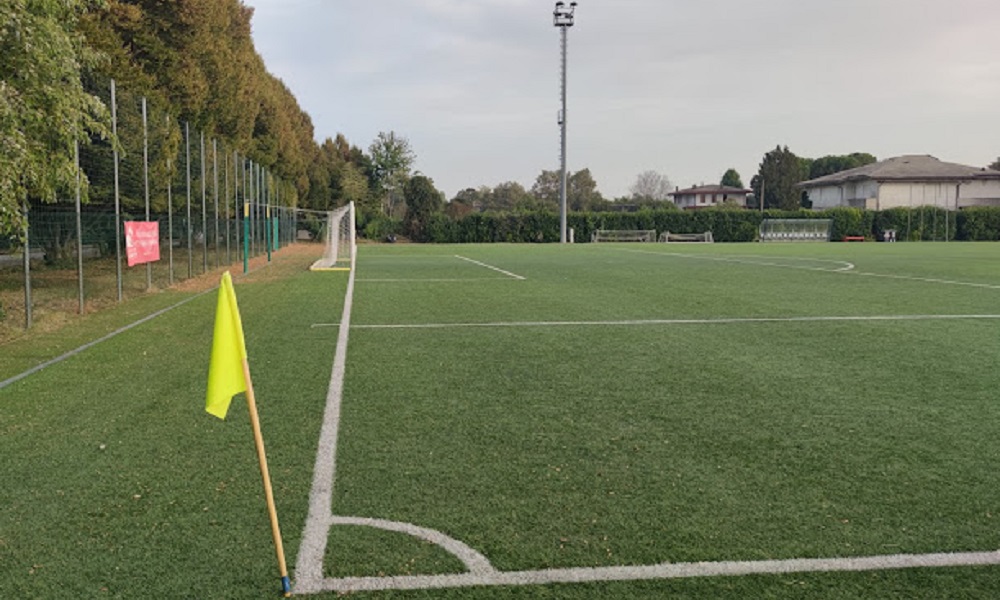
[[668, 236], [339, 241], [623, 235], [795, 230]]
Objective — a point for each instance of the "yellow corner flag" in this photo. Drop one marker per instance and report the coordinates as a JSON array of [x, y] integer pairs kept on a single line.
[[225, 369]]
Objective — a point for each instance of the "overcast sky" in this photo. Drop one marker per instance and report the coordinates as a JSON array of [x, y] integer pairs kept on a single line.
[[687, 88]]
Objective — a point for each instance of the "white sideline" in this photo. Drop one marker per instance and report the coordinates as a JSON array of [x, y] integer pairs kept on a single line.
[[309, 564], [643, 322]]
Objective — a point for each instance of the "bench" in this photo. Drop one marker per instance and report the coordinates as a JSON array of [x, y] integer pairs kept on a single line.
[[854, 238]]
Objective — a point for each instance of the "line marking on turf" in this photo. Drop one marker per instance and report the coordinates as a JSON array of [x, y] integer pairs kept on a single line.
[[849, 268], [105, 338], [754, 260], [643, 322], [497, 269], [462, 280], [475, 562], [309, 564], [661, 571]]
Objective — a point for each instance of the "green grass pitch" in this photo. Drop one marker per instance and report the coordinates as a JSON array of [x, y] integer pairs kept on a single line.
[[550, 406]]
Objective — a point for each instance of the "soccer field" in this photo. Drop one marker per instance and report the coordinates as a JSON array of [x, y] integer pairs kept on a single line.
[[600, 420]]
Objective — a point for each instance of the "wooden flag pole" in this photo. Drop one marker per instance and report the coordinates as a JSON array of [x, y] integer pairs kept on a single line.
[[272, 513]]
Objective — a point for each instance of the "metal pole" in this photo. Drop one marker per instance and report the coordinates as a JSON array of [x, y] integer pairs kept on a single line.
[[27, 269], [204, 208], [118, 211], [145, 176], [225, 169], [253, 210], [215, 193], [190, 232], [170, 219], [79, 224], [562, 151]]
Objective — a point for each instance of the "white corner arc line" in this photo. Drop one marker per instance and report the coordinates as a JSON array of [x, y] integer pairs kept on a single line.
[[491, 267], [309, 564], [476, 563], [661, 571]]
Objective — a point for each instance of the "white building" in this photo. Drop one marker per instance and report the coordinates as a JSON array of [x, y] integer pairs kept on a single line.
[[905, 181], [704, 196]]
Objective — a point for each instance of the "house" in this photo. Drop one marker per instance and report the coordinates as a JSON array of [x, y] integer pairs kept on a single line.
[[905, 181], [704, 196]]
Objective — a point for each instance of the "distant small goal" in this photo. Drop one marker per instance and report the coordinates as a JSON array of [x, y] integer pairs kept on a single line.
[[704, 238], [624, 235], [795, 230]]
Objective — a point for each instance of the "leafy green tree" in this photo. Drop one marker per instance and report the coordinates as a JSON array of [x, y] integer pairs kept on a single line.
[[731, 178], [581, 191], [391, 160], [827, 165], [422, 201], [43, 106], [780, 171]]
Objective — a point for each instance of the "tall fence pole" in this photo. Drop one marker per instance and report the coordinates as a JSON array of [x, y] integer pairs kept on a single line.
[[27, 269], [170, 218], [145, 177], [215, 194], [204, 208], [225, 197], [79, 224], [118, 204], [190, 230]]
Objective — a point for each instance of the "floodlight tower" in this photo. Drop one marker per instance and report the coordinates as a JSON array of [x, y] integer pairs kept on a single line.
[[563, 19]]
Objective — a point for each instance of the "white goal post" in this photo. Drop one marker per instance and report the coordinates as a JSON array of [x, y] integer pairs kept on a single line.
[[795, 230], [339, 243], [623, 235], [705, 237]]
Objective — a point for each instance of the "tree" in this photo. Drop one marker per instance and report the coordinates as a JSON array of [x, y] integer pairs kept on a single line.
[[43, 106], [828, 165], [780, 170], [581, 190], [651, 186], [731, 178], [422, 200], [995, 165], [391, 158]]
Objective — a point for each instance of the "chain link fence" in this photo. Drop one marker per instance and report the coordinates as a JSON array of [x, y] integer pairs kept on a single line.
[[203, 193]]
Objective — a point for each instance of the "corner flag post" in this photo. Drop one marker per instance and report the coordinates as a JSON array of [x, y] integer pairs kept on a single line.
[[272, 512], [228, 375]]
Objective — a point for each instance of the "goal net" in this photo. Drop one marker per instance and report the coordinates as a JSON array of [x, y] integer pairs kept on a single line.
[[668, 236], [795, 230], [339, 243], [623, 235]]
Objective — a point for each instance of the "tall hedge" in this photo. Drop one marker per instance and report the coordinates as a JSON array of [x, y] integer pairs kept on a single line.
[[726, 224]]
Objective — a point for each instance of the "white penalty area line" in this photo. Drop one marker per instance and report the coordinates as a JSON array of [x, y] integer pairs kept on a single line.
[[647, 322], [491, 267], [661, 571]]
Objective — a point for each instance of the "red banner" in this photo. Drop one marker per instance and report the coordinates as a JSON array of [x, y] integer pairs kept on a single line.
[[142, 242]]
